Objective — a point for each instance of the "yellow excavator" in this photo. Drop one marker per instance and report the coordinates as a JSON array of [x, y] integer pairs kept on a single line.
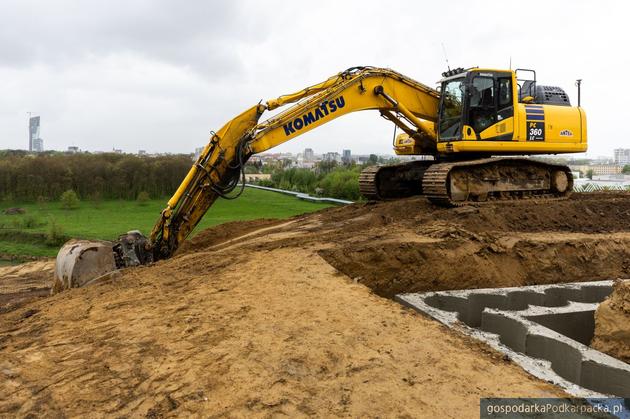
[[471, 126]]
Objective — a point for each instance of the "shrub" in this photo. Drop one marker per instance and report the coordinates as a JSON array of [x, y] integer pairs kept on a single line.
[[143, 198], [266, 183], [69, 200], [30, 222], [55, 235]]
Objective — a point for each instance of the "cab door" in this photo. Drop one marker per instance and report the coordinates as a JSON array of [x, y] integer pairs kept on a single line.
[[490, 112]]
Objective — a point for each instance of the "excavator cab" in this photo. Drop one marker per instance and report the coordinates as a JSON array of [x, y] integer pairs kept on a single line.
[[486, 112], [473, 101]]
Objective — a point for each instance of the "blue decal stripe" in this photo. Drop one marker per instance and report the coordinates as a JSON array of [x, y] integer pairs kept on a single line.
[[535, 117], [535, 111]]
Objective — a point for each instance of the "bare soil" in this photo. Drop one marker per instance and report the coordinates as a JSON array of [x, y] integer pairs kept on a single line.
[[21, 284], [270, 318], [612, 323]]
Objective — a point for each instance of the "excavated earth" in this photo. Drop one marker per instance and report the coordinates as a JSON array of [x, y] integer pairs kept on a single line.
[[294, 317], [612, 323]]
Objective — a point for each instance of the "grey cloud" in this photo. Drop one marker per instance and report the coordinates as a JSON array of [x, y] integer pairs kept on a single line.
[[200, 35]]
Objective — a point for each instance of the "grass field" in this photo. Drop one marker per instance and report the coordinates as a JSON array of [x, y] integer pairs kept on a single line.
[[25, 235]]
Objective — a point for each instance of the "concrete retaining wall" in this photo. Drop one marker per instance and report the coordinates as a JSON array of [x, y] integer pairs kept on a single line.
[[543, 328]]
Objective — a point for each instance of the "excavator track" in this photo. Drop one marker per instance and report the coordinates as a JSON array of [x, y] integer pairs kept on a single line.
[[495, 179], [393, 181], [367, 183], [434, 184]]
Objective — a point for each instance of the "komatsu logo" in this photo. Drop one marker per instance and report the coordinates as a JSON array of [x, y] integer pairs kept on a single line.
[[566, 133], [322, 111]]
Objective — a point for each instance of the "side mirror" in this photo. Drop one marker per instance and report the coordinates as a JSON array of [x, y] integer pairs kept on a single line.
[[528, 99]]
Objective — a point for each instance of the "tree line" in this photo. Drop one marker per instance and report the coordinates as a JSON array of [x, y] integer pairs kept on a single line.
[[26, 177], [328, 179], [46, 176]]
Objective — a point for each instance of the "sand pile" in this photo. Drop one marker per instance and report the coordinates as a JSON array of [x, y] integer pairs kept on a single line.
[[612, 323]]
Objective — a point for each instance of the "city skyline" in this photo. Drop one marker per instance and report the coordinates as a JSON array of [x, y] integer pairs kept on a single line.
[[319, 154], [619, 155], [148, 150], [35, 144]]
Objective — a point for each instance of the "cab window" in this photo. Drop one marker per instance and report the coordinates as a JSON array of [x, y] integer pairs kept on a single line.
[[452, 108], [482, 103], [505, 93], [505, 104]]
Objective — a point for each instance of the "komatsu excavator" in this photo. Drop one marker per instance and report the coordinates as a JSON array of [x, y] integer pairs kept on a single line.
[[469, 126]]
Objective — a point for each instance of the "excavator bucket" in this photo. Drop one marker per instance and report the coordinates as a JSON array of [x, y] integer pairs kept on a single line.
[[84, 262], [80, 262]]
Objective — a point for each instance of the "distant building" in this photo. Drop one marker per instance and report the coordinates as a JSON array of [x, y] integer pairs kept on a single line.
[[34, 142], [606, 169], [598, 169], [602, 160], [117, 150], [309, 154], [38, 145], [256, 177], [413, 158], [621, 156], [303, 163], [346, 156], [73, 149], [142, 152], [332, 156], [198, 152]]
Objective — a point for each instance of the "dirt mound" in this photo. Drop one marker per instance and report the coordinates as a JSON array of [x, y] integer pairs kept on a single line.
[[612, 323], [411, 245], [584, 213], [14, 211], [481, 262]]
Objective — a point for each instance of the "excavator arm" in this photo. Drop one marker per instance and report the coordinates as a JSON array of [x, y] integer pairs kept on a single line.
[[410, 105]]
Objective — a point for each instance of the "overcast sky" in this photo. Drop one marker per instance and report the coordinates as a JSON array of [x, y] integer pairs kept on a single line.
[[160, 75]]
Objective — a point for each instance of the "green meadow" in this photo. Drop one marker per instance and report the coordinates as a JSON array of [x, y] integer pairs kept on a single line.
[[43, 226]]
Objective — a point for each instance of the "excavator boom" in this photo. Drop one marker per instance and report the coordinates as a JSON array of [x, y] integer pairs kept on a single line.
[[219, 167]]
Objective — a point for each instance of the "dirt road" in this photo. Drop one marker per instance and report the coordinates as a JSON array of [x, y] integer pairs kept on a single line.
[[290, 319]]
